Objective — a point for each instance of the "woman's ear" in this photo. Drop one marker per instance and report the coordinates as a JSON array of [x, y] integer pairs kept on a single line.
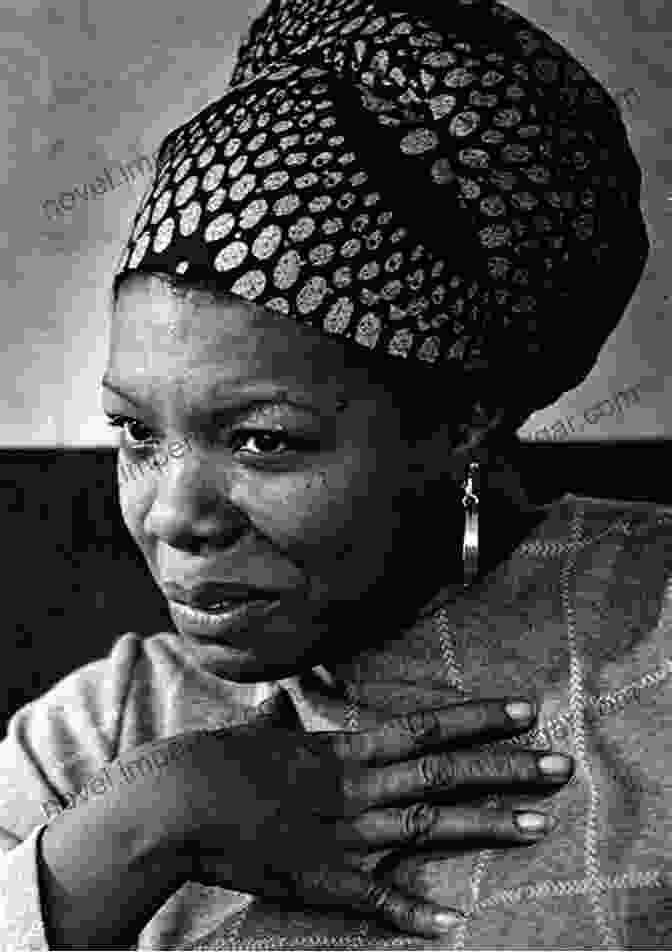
[[438, 461], [448, 450]]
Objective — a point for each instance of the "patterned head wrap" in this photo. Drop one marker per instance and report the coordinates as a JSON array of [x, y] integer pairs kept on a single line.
[[450, 187]]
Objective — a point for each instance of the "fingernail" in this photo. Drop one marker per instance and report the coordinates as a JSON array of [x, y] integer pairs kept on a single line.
[[444, 921], [556, 766], [532, 824], [520, 711]]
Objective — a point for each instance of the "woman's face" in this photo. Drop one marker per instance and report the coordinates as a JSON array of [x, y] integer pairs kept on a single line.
[[278, 465]]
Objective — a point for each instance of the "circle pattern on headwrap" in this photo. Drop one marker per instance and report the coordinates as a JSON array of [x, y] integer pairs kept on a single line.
[[440, 194]]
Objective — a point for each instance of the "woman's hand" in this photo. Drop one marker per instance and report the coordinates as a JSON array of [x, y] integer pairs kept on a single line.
[[288, 815]]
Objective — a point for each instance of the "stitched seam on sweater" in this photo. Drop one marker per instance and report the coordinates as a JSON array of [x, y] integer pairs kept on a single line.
[[599, 707], [615, 701], [536, 892], [448, 654], [577, 704], [475, 881], [327, 942], [577, 708], [546, 889], [556, 888], [556, 548], [239, 920]]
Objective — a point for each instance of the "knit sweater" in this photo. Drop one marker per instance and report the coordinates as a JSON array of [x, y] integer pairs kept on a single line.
[[579, 616]]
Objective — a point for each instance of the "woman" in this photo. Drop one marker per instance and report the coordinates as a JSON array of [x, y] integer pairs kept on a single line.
[[338, 745]]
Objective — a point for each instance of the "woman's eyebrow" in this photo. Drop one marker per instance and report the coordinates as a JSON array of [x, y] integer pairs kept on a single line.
[[249, 397]]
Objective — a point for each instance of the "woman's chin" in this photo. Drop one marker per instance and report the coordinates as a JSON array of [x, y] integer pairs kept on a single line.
[[245, 665]]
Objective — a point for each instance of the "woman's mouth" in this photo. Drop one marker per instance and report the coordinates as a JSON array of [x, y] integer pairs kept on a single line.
[[222, 618]]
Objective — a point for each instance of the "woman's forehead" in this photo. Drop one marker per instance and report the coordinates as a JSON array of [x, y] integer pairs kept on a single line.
[[166, 336]]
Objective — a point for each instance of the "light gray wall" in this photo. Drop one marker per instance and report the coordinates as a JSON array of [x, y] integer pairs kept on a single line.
[[93, 86]]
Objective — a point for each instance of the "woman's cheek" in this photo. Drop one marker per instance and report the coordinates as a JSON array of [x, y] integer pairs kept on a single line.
[[329, 496], [293, 506], [137, 483], [337, 518]]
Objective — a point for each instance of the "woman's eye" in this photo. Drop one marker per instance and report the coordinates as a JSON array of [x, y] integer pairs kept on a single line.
[[254, 442], [135, 432], [268, 442]]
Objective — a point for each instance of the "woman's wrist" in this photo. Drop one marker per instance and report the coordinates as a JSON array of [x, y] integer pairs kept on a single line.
[[107, 864], [102, 878]]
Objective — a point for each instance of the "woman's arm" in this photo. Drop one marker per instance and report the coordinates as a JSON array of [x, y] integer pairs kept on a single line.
[[52, 747], [239, 801], [107, 864], [276, 812]]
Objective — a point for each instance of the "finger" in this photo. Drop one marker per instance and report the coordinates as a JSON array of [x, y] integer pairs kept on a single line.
[[421, 824], [333, 887], [419, 731], [459, 773], [350, 889]]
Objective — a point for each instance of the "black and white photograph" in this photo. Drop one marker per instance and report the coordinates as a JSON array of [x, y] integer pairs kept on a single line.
[[337, 373]]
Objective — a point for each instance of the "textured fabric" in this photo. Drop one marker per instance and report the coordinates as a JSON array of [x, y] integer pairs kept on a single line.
[[579, 615], [450, 187]]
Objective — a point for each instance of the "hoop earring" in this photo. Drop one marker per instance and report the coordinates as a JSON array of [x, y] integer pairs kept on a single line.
[[470, 501]]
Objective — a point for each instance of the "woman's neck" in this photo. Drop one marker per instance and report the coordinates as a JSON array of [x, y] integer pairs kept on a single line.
[[429, 568], [506, 518]]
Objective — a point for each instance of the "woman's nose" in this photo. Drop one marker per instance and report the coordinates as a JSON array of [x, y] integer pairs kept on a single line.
[[193, 505]]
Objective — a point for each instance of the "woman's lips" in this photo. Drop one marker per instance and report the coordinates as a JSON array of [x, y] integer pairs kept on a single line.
[[227, 618]]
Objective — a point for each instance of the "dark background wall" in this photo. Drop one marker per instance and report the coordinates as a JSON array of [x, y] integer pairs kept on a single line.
[[73, 580], [73, 577]]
